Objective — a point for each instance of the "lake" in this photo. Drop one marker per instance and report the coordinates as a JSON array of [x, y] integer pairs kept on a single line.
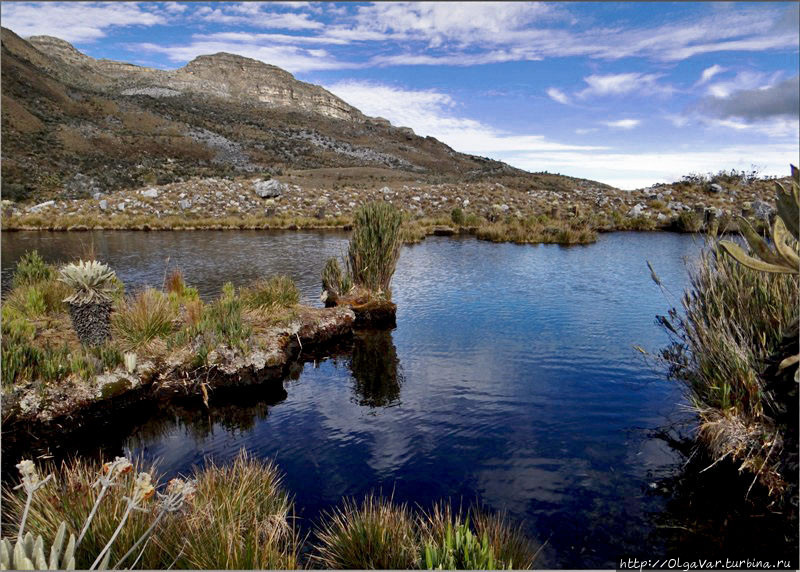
[[510, 380]]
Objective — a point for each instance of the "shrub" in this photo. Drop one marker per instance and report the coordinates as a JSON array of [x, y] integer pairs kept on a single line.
[[375, 534], [457, 216], [31, 269], [459, 549], [147, 317], [375, 246], [275, 292], [91, 281]]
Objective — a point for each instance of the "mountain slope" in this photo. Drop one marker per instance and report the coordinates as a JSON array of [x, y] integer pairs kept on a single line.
[[73, 125]]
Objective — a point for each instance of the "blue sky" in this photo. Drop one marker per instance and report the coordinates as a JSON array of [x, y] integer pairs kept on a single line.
[[626, 93]]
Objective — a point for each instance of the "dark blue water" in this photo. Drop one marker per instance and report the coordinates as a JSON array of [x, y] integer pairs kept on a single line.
[[511, 379]]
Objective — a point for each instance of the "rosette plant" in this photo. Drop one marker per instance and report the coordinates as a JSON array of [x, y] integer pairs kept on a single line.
[[90, 303]]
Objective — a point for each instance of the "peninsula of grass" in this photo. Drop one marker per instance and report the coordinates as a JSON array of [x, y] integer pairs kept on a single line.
[[159, 341]]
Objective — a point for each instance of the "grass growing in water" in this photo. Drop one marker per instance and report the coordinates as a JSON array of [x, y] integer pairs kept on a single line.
[[375, 247], [724, 346]]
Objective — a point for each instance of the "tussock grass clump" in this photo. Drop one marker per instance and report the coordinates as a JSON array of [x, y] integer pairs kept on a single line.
[[271, 293], [222, 320], [334, 280], [241, 519], [177, 290], [373, 534], [689, 221], [145, 318], [375, 246], [235, 517], [31, 269], [736, 322], [380, 534]]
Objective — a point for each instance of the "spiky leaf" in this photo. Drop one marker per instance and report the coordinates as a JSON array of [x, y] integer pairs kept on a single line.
[[743, 258], [781, 237]]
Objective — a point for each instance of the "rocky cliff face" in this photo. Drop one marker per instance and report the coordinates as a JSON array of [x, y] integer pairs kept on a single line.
[[220, 75]]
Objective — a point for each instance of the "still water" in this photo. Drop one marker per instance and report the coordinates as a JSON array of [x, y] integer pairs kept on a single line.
[[511, 380]]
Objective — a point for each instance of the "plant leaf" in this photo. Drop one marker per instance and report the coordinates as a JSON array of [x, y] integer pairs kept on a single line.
[[736, 251]]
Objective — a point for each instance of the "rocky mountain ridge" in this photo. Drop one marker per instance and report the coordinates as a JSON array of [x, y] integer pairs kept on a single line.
[[74, 125], [221, 75]]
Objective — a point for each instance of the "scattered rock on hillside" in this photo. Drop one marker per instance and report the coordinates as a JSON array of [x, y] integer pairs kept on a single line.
[[270, 189]]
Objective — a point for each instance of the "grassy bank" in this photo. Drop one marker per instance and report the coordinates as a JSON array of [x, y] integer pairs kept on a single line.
[[734, 347], [240, 516], [40, 345]]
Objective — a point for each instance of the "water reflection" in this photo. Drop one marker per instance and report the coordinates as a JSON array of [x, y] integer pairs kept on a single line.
[[691, 522], [375, 368]]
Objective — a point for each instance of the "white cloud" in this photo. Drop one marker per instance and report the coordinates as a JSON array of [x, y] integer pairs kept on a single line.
[[432, 113], [630, 170], [74, 21], [462, 23], [558, 95], [742, 81], [624, 83], [623, 123], [708, 73], [254, 14]]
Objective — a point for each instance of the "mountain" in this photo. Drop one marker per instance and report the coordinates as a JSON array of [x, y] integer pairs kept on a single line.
[[73, 125]]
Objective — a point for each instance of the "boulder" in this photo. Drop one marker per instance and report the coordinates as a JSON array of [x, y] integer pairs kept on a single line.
[[637, 210], [150, 193], [762, 210], [42, 206], [270, 189], [715, 188], [185, 204], [103, 205]]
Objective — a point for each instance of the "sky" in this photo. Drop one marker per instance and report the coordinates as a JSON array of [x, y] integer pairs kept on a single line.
[[629, 94]]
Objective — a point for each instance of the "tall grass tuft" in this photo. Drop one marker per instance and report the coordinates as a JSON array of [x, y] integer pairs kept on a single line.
[[31, 269], [375, 246], [222, 320], [274, 292], [145, 318], [241, 519], [735, 322], [334, 280], [373, 534]]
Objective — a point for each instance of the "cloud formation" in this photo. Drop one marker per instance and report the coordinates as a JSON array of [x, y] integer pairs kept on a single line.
[[779, 100]]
